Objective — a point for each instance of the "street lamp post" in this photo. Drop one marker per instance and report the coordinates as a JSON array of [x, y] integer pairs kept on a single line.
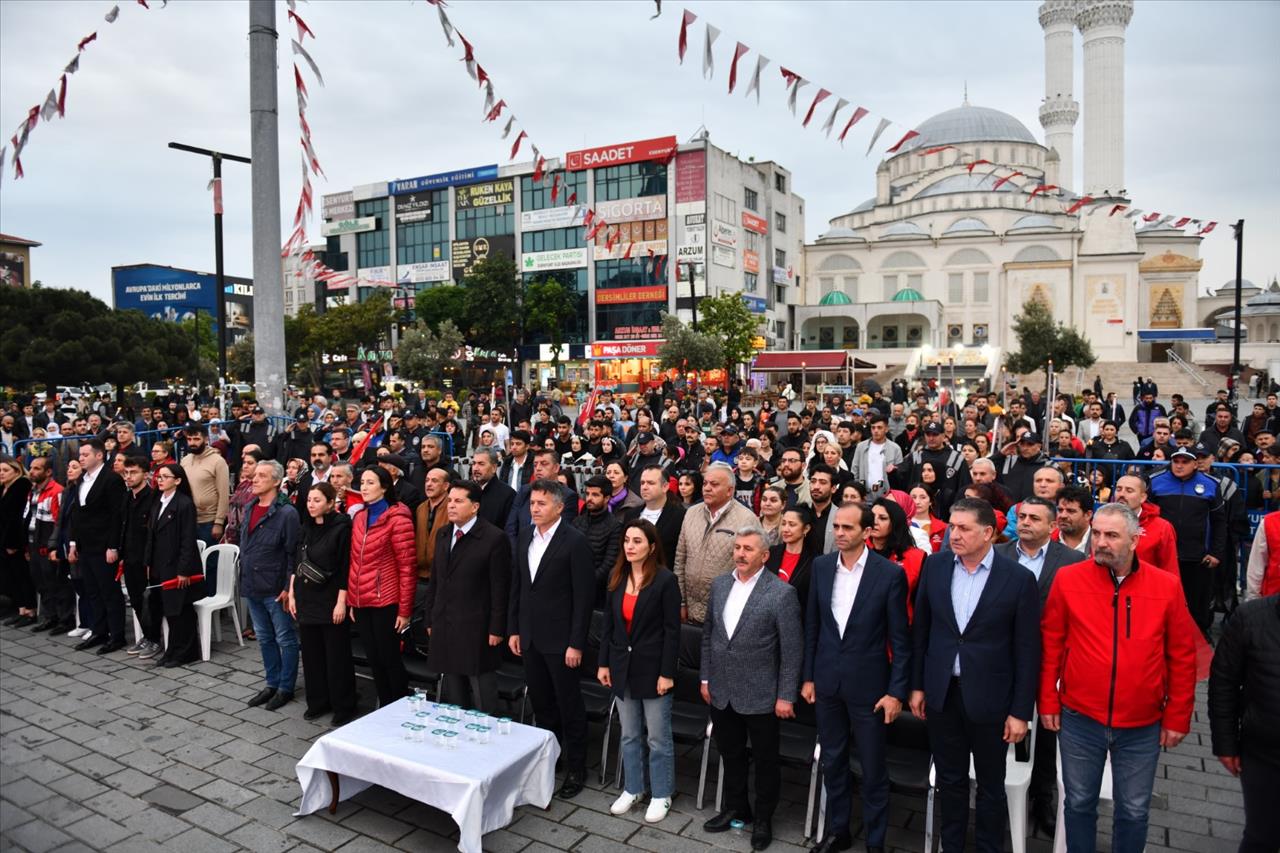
[[803, 366]]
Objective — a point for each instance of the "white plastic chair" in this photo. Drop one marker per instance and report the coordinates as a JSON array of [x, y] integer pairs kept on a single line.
[[1104, 794], [227, 559]]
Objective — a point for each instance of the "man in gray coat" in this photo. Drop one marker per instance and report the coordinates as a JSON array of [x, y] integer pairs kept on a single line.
[[752, 653], [877, 457]]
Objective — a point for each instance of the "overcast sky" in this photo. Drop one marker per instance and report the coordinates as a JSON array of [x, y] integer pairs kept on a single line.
[[1202, 85]]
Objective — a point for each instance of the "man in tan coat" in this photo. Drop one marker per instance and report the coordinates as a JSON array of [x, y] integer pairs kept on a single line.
[[210, 484], [705, 548]]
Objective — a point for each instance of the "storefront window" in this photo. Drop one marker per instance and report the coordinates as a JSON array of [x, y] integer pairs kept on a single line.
[[373, 248], [631, 180], [428, 239]]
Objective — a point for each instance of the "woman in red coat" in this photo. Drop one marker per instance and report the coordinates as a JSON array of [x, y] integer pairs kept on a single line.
[[891, 538], [382, 579]]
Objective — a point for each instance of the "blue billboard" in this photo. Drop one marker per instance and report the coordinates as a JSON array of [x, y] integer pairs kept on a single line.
[[444, 179], [169, 293]]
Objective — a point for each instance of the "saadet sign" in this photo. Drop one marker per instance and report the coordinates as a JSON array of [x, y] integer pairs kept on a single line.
[[616, 155]]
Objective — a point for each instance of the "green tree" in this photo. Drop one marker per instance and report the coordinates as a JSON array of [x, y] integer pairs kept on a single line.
[[548, 307], [492, 315], [423, 354], [302, 358], [727, 319], [240, 361], [443, 302], [200, 329], [1040, 339], [684, 349]]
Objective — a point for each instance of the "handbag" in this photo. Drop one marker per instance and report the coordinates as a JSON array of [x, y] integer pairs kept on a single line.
[[309, 571]]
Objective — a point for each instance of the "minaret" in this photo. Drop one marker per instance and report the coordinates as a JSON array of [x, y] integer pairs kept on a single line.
[[1059, 111], [1102, 24]]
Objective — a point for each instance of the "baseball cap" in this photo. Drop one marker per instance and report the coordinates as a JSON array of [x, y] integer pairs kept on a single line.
[[933, 428], [646, 438], [302, 418], [1183, 453], [731, 429], [1201, 450], [1029, 437]]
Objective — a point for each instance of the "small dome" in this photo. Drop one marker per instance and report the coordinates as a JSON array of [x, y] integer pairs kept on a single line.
[[907, 294], [969, 225], [902, 230], [1034, 222], [839, 233], [869, 204], [967, 182], [835, 297], [1229, 286], [968, 123]]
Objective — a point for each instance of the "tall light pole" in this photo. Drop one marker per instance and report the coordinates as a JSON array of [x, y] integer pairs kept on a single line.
[[1234, 378], [217, 157]]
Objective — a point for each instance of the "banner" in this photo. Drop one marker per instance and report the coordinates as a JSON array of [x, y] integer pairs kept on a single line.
[[724, 257], [464, 254], [639, 249], [616, 155], [552, 217], [693, 245], [348, 226], [639, 349], [750, 261], [338, 206], [413, 207], [751, 222], [723, 234], [625, 295], [632, 209], [418, 273], [484, 195], [558, 259], [691, 176], [443, 179]]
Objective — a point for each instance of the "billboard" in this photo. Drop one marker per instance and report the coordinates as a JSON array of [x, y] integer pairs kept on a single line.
[[691, 176], [615, 155], [169, 293], [464, 254], [413, 207], [338, 206], [485, 195]]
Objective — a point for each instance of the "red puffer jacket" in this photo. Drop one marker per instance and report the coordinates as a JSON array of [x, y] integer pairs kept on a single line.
[[384, 564], [1158, 544], [1123, 655]]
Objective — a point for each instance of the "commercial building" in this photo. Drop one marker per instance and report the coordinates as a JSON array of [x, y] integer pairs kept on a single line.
[[692, 221]]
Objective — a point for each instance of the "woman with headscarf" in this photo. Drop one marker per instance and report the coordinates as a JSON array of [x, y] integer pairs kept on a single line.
[[821, 438]]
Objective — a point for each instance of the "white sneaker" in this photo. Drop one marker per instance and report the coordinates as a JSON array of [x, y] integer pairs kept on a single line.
[[79, 632], [658, 808], [623, 804]]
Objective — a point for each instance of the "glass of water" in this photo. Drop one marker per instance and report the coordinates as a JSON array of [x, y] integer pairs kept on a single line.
[[504, 725]]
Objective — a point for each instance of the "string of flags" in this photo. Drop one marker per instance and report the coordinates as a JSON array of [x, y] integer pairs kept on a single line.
[[55, 103]]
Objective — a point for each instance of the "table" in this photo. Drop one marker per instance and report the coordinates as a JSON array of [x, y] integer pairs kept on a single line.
[[479, 785]]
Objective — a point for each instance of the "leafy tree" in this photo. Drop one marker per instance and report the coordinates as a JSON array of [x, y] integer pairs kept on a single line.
[[301, 357], [1041, 339], [200, 329], [437, 304], [684, 349], [423, 354], [492, 302], [727, 319], [240, 362], [548, 307]]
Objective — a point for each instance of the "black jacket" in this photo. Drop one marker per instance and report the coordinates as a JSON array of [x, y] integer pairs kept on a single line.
[[96, 526], [328, 546], [604, 533], [137, 526], [1017, 473], [801, 576], [1244, 684], [553, 611], [496, 500], [669, 523], [466, 600], [637, 659], [13, 514], [171, 551]]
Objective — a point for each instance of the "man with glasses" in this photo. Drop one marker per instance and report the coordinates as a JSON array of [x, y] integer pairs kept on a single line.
[[791, 478]]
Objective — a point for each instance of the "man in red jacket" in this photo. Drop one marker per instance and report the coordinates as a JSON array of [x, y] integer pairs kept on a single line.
[[1158, 541], [1117, 676]]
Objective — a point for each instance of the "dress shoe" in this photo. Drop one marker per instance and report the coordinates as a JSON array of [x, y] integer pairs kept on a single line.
[[341, 718], [263, 695], [572, 786], [46, 625], [279, 700], [316, 713], [63, 629], [13, 620], [22, 621], [832, 843], [762, 833], [113, 646], [91, 642], [722, 822]]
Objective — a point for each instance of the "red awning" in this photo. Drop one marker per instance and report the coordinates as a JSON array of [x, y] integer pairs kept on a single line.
[[797, 360]]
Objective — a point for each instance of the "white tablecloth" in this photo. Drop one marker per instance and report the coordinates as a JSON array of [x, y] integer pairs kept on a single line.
[[479, 785]]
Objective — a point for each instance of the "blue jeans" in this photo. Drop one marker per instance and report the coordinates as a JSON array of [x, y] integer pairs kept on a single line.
[[204, 532], [278, 641], [647, 722], [1084, 744]]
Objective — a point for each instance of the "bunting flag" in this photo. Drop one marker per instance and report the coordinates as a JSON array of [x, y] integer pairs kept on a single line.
[[1181, 223], [1088, 199], [858, 115], [482, 76], [555, 187], [880, 128], [111, 16], [830, 123], [573, 198], [445, 25], [299, 50], [496, 111], [506, 131], [822, 95], [1133, 213], [1162, 220], [1151, 217], [1203, 231], [976, 163], [587, 216], [910, 134], [50, 105], [537, 169], [626, 256], [708, 59], [468, 56], [1006, 179], [515, 148], [794, 82], [84, 42], [683, 46], [1116, 208], [73, 66], [938, 150], [754, 85], [303, 29], [733, 66], [1039, 190]]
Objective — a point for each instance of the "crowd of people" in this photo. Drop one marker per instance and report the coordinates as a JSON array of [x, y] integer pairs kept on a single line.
[[989, 567]]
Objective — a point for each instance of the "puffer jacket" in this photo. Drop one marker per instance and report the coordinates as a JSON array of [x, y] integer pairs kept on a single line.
[[604, 531], [1158, 544], [384, 561], [1244, 685]]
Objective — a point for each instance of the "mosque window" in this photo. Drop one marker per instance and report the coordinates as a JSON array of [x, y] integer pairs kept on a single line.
[[981, 290], [890, 287], [955, 288]]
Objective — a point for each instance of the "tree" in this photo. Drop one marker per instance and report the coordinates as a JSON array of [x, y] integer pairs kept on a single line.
[[240, 361], [434, 305], [303, 361], [492, 300], [684, 349], [727, 319], [423, 354], [548, 306], [200, 329], [1040, 340]]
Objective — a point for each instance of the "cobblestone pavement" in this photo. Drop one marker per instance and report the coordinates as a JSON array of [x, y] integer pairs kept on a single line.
[[108, 753]]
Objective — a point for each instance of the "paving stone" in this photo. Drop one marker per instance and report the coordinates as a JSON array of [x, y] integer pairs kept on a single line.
[[196, 840], [11, 815], [500, 841], [224, 792], [366, 845], [136, 845], [377, 825], [98, 831], [320, 833], [260, 838], [558, 835], [171, 799], [62, 750], [184, 777], [40, 769], [236, 771], [36, 836], [130, 781], [267, 811], [116, 804], [156, 825], [594, 823], [214, 818], [77, 786]]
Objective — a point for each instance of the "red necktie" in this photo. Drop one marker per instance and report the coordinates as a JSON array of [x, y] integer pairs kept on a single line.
[[457, 537]]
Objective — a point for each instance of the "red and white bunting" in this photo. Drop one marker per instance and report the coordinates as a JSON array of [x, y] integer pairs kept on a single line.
[[830, 123], [733, 66], [880, 128], [857, 116], [822, 95], [683, 44], [754, 85], [708, 59]]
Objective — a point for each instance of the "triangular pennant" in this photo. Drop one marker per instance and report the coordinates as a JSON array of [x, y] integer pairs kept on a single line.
[[445, 25], [506, 131], [482, 76], [469, 56], [303, 29], [111, 16], [84, 42], [708, 59], [50, 106], [795, 91], [1080, 203], [62, 96], [733, 66], [626, 256], [1006, 179], [1116, 209], [683, 45], [857, 116], [1181, 223], [1151, 217], [573, 198], [1041, 189], [555, 187], [1202, 232], [937, 150], [1133, 213], [977, 163], [754, 85], [910, 134], [73, 66], [880, 128], [496, 111], [537, 170], [488, 97], [515, 148], [822, 95], [299, 50], [830, 123]]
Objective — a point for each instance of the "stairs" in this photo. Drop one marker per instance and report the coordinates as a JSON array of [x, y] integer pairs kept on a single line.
[[1119, 376]]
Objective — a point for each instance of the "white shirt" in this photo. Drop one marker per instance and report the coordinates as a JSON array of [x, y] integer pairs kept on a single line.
[[538, 546], [844, 588], [466, 528], [737, 600], [165, 500], [87, 479], [516, 469], [651, 515], [713, 517], [317, 477], [875, 463]]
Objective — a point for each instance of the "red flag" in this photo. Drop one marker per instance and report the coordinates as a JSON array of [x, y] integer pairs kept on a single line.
[[662, 263], [1181, 222], [1204, 230], [1151, 217], [1042, 188], [854, 119], [515, 147], [297, 81], [998, 184], [302, 26], [613, 237], [689, 18], [143, 4], [481, 74], [733, 66], [586, 217], [85, 41], [555, 187], [971, 166], [938, 150], [537, 169], [358, 453], [822, 95], [573, 198], [496, 111], [17, 172], [585, 414], [62, 96], [595, 229], [217, 196], [910, 134], [626, 256], [789, 76], [1079, 204], [1116, 209]]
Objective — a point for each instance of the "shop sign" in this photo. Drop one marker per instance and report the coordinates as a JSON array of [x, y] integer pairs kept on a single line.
[[639, 250], [443, 179], [470, 353], [348, 226], [635, 333], [759, 343], [616, 155], [417, 273], [413, 207], [632, 209], [338, 206], [559, 259], [724, 234], [485, 195], [626, 295], [780, 276], [363, 354], [724, 257], [751, 261], [691, 176], [630, 349], [832, 390], [693, 220], [375, 275], [694, 246], [552, 217], [751, 222], [464, 254], [756, 304]]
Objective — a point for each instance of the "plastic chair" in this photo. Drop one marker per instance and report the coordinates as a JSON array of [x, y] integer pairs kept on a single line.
[[227, 559], [1104, 793]]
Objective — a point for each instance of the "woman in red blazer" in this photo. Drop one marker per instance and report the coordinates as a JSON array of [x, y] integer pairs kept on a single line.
[[891, 539]]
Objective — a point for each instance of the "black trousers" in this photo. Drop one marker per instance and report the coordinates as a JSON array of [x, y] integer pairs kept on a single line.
[[472, 691], [1260, 779], [732, 732], [330, 679], [15, 579], [1044, 768], [106, 599], [135, 581], [57, 599], [183, 644], [838, 721], [382, 648], [556, 697], [1197, 584], [953, 737]]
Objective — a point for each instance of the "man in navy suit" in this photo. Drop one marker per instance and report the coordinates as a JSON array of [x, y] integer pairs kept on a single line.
[[974, 659], [546, 466], [857, 615]]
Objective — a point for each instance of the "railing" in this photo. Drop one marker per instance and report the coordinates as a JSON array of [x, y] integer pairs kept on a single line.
[[1172, 356]]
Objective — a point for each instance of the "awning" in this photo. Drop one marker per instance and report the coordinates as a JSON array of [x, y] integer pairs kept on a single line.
[[818, 361]]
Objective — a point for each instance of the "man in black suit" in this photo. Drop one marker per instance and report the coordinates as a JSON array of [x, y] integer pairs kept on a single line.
[[550, 610], [496, 498], [546, 466], [94, 542], [467, 599], [975, 661], [664, 513], [1043, 557], [517, 468], [856, 663], [406, 492]]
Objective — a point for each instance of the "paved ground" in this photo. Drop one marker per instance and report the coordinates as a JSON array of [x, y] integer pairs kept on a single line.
[[110, 754]]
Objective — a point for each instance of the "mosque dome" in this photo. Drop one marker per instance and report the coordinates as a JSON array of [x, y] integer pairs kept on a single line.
[[969, 226], [903, 230], [1034, 222], [840, 233], [836, 297], [1229, 287], [968, 123], [908, 294]]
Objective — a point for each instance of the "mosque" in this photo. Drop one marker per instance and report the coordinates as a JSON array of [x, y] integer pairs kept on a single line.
[[936, 265]]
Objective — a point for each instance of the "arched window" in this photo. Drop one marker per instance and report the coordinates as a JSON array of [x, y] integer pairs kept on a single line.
[[1036, 254], [968, 258], [839, 262]]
